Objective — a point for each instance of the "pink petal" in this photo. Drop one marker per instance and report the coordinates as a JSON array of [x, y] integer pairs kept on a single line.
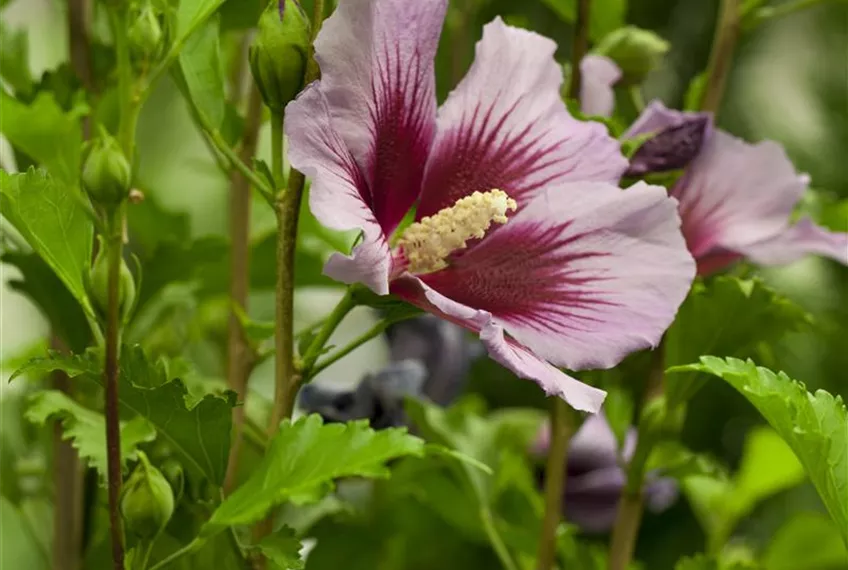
[[505, 351], [598, 75], [336, 194], [505, 126], [376, 59], [657, 117], [736, 194], [584, 275], [802, 239]]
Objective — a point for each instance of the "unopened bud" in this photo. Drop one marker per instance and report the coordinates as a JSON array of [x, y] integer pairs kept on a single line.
[[672, 148], [145, 35], [98, 285], [106, 172], [279, 53], [636, 51], [147, 501]]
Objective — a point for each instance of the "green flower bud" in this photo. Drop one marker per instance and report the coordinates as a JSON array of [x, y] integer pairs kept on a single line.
[[98, 285], [145, 35], [279, 53], [636, 51], [147, 501], [106, 172]]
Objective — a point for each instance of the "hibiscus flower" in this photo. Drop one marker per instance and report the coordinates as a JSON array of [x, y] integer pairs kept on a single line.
[[737, 198], [520, 231]]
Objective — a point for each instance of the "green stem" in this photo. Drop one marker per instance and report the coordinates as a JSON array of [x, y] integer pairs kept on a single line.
[[495, 539], [114, 244], [287, 208], [184, 551], [721, 56], [240, 356], [561, 432], [631, 506], [345, 305], [147, 550], [636, 97], [375, 331], [231, 156], [579, 47]]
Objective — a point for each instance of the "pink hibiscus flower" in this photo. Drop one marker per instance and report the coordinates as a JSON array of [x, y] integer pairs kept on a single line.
[[521, 233], [736, 199]]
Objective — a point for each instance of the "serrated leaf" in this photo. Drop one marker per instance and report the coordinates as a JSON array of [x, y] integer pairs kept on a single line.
[[303, 460], [814, 425], [45, 133], [283, 549], [50, 219], [200, 433], [86, 429], [728, 316]]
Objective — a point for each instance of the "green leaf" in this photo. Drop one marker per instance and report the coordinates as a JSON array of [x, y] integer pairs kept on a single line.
[[46, 290], [14, 60], [768, 467], [283, 549], [203, 73], [674, 460], [726, 316], [808, 541], [47, 214], [200, 433], [695, 93], [697, 562], [20, 547], [302, 461], [192, 13], [45, 133], [86, 429], [814, 425], [605, 16]]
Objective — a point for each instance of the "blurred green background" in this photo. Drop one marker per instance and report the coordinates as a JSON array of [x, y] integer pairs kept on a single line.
[[789, 83]]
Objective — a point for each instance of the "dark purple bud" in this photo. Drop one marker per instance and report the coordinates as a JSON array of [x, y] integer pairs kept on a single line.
[[672, 148], [281, 5], [595, 478]]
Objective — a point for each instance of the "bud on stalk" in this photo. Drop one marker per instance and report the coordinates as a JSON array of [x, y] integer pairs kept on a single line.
[[97, 284], [279, 53], [145, 35], [147, 501], [636, 51], [106, 172]]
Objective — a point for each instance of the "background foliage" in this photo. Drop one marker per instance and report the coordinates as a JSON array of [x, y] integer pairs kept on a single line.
[[789, 83]]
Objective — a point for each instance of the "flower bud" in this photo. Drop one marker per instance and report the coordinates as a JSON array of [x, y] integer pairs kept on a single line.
[[147, 501], [106, 172], [636, 51], [145, 35], [279, 53], [672, 148], [98, 285]]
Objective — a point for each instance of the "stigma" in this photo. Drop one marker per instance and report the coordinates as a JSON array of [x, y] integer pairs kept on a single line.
[[426, 244]]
